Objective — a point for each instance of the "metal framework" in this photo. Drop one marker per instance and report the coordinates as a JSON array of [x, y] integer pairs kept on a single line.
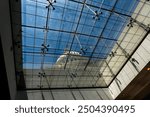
[[73, 42]]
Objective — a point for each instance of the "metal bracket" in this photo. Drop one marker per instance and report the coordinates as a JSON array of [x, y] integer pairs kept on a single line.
[[131, 23], [97, 15], [135, 61], [51, 2], [145, 27], [73, 75], [45, 29], [100, 75], [83, 50], [112, 54], [44, 48], [42, 74]]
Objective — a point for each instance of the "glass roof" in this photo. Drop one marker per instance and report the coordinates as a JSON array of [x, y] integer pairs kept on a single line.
[[65, 43]]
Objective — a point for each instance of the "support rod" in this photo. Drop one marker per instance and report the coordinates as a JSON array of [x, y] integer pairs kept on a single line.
[[109, 69], [90, 9], [78, 41], [123, 50], [81, 48], [49, 87], [116, 80], [101, 6]]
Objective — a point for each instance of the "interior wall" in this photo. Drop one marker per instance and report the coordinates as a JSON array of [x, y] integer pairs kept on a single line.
[[141, 55], [128, 73]]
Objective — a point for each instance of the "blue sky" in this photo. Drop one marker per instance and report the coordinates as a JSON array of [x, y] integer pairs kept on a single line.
[[65, 19]]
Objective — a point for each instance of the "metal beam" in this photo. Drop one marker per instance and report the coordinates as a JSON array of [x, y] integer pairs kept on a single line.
[[65, 75], [77, 33], [48, 53], [60, 88]]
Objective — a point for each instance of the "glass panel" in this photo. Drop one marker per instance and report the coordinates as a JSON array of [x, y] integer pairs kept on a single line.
[[70, 41]]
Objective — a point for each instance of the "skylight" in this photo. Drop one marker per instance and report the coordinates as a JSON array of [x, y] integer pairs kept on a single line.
[[65, 43]]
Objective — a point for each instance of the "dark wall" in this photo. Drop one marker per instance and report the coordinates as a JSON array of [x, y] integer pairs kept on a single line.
[[5, 94], [7, 63]]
